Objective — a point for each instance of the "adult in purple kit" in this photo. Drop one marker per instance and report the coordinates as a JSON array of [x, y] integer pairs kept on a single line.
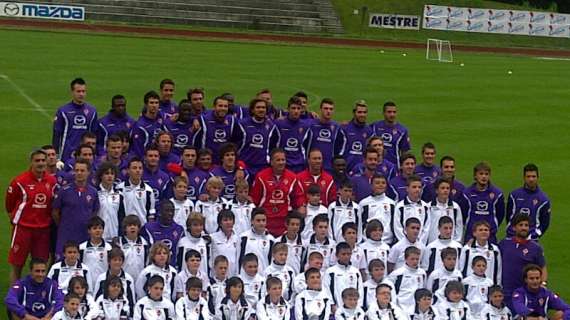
[[168, 107], [428, 170], [385, 167], [216, 128], [531, 201], [326, 135], [362, 182], [181, 129], [398, 185], [291, 132], [517, 252], [164, 229], [229, 171], [357, 134], [72, 120], [164, 145], [147, 126], [394, 135], [447, 165], [116, 120], [74, 204], [196, 178]]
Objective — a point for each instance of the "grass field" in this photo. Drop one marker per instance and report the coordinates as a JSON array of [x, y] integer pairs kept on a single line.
[[476, 112], [354, 28]]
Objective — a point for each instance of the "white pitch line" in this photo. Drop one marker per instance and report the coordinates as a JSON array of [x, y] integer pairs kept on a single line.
[[551, 58], [21, 91]]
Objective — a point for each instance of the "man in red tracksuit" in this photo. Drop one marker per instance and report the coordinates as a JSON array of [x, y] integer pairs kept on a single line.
[[276, 189], [28, 203], [315, 174]]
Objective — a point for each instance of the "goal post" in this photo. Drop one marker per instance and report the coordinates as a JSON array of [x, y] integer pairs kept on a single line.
[[440, 50]]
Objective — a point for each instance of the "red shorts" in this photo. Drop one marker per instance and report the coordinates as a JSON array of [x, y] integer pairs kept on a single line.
[[27, 240]]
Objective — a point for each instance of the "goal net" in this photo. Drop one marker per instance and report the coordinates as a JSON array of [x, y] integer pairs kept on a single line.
[[440, 50]]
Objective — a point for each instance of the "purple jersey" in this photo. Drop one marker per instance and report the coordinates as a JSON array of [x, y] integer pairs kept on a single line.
[[533, 203], [327, 137], [70, 123], [213, 133], [256, 140], [357, 136], [166, 159], [396, 140], [159, 181], [527, 303], [518, 254], [143, 133], [456, 194], [26, 296], [291, 135], [488, 205], [77, 205], [168, 108], [428, 174], [274, 112], [228, 177], [111, 124], [182, 134], [397, 188], [361, 186], [196, 183], [239, 111], [169, 235], [385, 168]]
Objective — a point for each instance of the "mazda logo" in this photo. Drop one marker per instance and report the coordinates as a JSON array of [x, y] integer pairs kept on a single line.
[[219, 134], [482, 205], [357, 146], [40, 198], [292, 143], [11, 9], [257, 138], [79, 120], [325, 133], [387, 137], [182, 139]]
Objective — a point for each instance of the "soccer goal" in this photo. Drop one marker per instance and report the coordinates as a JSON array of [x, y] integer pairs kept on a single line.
[[440, 50]]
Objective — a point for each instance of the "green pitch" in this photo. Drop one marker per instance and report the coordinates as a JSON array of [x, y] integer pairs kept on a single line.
[[475, 112]]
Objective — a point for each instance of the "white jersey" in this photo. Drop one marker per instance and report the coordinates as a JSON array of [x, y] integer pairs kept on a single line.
[[128, 287], [312, 212], [168, 274], [343, 313], [216, 292], [229, 310], [406, 281], [117, 309], [297, 250], [326, 248], [182, 209], [313, 305], [210, 210], [430, 314], [286, 274], [407, 209], [454, 310], [253, 287], [111, 210], [450, 209], [476, 293], [341, 213], [267, 310], [200, 244], [491, 312], [242, 212], [358, 259], [259, 244], [396, 255], [381, 208], [490, 252], [136, 254], [187, 309], [61, 273], [301, 283], [222, 245], [375, 250], [391, 312], [63, 315], [139, 200], [183, 276], [146, 308], [340, 277], [95, 257], [370, 292], [431, 257], [439, 278]]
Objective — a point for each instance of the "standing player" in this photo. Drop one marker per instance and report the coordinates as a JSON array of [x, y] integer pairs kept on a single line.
[[181, 129], [275, 189], [273, 112], [315, 174], [485, 202], [362, 182], [148, 125], [196, 97], [447, 165], [357, 134], [398, 184], [325, 134], [72, 120], [256, 136], [394, 135], [167, 105], [164, 145], [216, 128], [196, 177], [116, 120], [157, 179], [291, 131], [229, 171], [384, 167], [28, 203], [531, 201], [427, 170]]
